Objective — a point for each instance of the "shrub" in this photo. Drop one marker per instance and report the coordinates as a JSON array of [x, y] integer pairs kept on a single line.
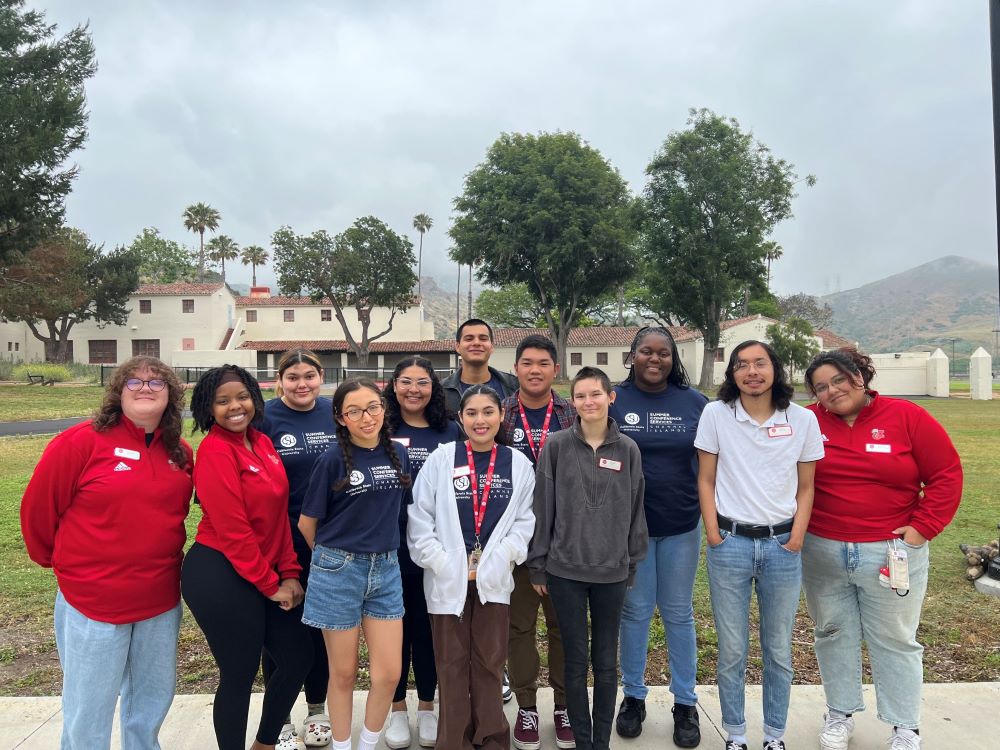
[[58, 373]]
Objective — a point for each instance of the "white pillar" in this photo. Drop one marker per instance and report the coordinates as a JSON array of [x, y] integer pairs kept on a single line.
[[937, 375], [981, 375]]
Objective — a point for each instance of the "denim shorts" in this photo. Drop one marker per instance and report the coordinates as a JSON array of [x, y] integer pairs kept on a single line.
[[344, 587]]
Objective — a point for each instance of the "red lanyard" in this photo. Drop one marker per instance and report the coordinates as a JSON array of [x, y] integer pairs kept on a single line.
[[527, 427], [479, 505]]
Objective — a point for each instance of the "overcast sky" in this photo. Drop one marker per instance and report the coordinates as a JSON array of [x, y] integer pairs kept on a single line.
[[313, 114]]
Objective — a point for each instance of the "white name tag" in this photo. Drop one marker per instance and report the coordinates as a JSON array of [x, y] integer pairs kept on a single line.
[[780, 430], [461, 471], [127, 453], [607, 463], [878, 448], [405, 442]]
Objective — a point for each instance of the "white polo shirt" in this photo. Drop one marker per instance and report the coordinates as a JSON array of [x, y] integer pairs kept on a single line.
[[756, 478]]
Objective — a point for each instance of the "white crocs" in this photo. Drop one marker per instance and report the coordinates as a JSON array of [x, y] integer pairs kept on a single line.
[[427, 728], [316, 731], [397, 734], [287, 740]]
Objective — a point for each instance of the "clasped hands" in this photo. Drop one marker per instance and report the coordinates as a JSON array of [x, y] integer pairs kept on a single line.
[[289, 594]]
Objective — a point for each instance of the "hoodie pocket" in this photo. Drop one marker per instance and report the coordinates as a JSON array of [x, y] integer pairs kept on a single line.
[[449, 583]]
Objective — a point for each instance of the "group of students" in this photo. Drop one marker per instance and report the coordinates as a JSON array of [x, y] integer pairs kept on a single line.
[[436, 517]]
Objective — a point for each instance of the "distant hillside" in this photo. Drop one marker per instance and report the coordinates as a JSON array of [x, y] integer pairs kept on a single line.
[[439, 305], [951, 297]]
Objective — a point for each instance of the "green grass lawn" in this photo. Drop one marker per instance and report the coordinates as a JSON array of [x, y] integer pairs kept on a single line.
[[19, 402], [960, 628]]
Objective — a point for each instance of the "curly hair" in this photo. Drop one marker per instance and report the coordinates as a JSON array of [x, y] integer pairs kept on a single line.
[[781, 389], [344, 435], [171, 423], [436, 412], [677, 376], [204, 396], [297, 356], [847, 361]]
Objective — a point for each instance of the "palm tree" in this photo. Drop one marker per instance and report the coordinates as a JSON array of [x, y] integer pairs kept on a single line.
[[198, 218], [253, 256], [221, 249], [772, 251], [422, 223]]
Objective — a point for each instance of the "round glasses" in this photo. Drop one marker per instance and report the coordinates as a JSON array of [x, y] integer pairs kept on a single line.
[[373, 410], [135, 384]]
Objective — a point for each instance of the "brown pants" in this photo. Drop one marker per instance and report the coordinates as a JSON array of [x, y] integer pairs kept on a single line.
[[522, 659], [469, 652]]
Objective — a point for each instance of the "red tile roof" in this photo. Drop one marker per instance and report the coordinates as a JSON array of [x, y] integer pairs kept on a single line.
[[288, 301], [333, 345], [613, 336], [832, 341], [155, 290]]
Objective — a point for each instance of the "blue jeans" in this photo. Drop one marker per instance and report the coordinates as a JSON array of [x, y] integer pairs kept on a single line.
[[665, 577], [847, 604], [99, 660], [735, 568]]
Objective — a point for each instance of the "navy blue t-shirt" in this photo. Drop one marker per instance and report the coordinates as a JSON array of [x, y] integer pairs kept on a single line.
[[501, 491], [419, 443], [494, 382], [536, 418], [364, 517], [664, 426], [299, 437]]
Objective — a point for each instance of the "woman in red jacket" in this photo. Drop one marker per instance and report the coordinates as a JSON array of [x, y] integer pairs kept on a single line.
[[891, 480], [105, 509], [241, 575]]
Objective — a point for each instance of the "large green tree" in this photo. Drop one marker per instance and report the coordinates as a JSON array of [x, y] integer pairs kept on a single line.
[[794, 342], [65, 280], [549, 211], [713, 196], [201, 218], [805, 306], [162, 261], [422, 223], [363, 267], [511, 307], [221, 249], [253, 256], [43, 120]]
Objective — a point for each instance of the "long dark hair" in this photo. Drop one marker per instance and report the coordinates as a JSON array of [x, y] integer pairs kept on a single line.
[[436, 411], [482, 389], [204, 395], [781, 389], [344, 435], [171, 423], [847, 361], [677, 376]]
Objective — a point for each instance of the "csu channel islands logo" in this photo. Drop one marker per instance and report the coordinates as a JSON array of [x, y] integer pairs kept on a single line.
[[357, 477], [632, 418], [518, 435], [461, 483], [288, 441]]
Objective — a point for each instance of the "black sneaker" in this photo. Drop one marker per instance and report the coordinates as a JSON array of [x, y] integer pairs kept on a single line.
[[631, 714], [774, 745], [730, 745], [687, 733]]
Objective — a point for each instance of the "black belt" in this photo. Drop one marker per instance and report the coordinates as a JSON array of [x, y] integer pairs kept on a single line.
[[754, 531]]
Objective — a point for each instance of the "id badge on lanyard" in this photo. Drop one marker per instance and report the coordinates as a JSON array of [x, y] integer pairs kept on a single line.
[[478, 504], [899, 569]]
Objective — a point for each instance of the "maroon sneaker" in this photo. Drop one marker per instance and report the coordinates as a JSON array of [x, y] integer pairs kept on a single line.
[[526, 730], [564, 732]]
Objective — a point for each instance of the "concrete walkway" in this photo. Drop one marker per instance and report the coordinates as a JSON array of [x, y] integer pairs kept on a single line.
[[961, 716]]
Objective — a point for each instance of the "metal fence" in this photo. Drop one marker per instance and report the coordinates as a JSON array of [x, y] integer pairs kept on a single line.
[[268, 376]]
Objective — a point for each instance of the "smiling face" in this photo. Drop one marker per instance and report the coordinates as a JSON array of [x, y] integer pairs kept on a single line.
[[145, 407], [413, 387], [592, 401], [753, 371], [355, 415], [840, 393], [474, 345], [535, 370], [653, 362], [232, 407], [481, 417], [300, 386]]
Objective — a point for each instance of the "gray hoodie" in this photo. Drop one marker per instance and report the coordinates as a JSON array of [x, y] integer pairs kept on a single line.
[[589, 519]]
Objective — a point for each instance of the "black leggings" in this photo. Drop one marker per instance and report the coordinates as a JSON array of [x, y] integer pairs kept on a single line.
[[417, 641], [239, 621], [318, 676]]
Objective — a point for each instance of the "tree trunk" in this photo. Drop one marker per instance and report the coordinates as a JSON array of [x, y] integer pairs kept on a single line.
[[201, 255], [621, 305], [705, 383], [470, 291], [420, 264], [562, 340], [458, 300], [253, 274]]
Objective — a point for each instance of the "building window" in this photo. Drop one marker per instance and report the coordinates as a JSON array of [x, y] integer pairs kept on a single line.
[[602, 358], [145, 306], [625, 358], [187, 345], [10, 346], [326, 315], [146, 348], [289, 316], [187, 305], [17, 346], [103, 351], [251, 316], [576, 359], [720, 354]]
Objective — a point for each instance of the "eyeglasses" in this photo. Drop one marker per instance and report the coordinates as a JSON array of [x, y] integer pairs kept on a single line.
[[407, 382], [135, 384], [757, 364], [355, 415], [836, 381]]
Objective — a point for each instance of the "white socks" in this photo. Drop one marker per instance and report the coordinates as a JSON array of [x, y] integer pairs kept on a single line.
[[368, 739], [341, 744]]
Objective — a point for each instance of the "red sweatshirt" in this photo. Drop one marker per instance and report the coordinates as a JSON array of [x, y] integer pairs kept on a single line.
[[244, 500], [106, 513], [895, 467]]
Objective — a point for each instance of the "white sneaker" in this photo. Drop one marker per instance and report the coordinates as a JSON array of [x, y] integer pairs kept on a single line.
[[397, 734], [427, 728], [904, 739], [287, 740], [836, 732]]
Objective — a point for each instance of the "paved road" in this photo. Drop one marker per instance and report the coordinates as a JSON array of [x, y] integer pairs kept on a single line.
[[38, 426]]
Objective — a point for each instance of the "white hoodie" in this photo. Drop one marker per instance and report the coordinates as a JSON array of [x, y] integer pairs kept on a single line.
[[434, 535]]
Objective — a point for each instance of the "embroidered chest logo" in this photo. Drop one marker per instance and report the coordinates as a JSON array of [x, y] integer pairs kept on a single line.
[[357, 477], [461, 483], [631, 418], [288, 441], [518, 435], [878, 434], [254, 469], [122, 466]]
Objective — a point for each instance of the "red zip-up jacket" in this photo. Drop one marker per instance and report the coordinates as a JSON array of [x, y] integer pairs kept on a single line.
[[244, 500], [106, 513], [896, 466]]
